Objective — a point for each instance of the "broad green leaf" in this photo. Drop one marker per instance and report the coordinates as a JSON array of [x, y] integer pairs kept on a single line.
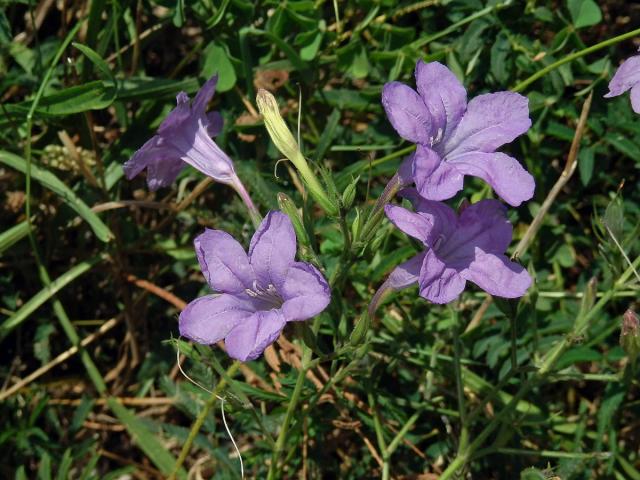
[[50, 181], [584, 13], [216, 60], [45, 294], [145, 439]]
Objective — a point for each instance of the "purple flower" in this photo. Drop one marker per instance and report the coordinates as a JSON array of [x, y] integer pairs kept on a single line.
[[259, 292], [466, 247], [456, 138], [184, 137], [627, 77]]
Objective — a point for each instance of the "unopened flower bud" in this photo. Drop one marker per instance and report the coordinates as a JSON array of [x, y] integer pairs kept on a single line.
[[277, 128], [287, 145], [349, 193], [360, 330], [630, 334], [287, 206]]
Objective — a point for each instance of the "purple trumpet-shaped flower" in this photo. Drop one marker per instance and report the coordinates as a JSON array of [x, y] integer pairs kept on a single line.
[[466, 247], [455, 138], [627, 77], [259, 292], [184, 137]]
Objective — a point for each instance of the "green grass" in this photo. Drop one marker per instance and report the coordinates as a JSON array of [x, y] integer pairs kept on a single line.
[[534, 389]]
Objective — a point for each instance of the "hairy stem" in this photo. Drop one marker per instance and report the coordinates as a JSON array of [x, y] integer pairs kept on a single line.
[[291, 409], [199, 421]]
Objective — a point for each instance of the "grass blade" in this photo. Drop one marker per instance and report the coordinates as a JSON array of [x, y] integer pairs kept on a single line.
[[45, 294], [50, 181], [145, 439]]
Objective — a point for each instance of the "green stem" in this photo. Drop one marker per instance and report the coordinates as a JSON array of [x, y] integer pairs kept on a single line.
[[464, 426], [581, 325], [386, 454], [199, 421], [514, 344], [316, 190], [480, 13], [570, 58], [293, 403], [377, 213]]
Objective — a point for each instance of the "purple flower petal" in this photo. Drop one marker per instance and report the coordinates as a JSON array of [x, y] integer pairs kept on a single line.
[[635, 98], [215, 124], [627, 75], [440, 215], [209, 319], [405, 172], [306, 293], [407, 113], [177, 116], [201, 152], [204, 96], [491, 120], [443, 94], [482, 225], [407, 273], [497, 275], [435, 179], [163, 164], [504, 173], [224, 262], [273, 249], [412, 224], [439, 283], [185, 136], [249, 338]]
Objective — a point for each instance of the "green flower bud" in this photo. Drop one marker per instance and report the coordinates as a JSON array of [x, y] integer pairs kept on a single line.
[[285, 142], [349, 194], [277, 128], [360, 330], [287, 206], [630, 334]]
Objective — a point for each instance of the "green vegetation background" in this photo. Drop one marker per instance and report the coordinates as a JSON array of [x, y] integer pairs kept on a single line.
[[101, 252]]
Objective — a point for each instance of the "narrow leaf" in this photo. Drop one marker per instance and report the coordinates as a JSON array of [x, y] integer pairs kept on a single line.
[[50, 181]]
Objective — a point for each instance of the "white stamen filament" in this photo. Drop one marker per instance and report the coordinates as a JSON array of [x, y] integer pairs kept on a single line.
[[224, 419]]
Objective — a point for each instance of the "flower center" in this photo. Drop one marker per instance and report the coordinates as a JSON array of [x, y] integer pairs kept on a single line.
[[269, 295]]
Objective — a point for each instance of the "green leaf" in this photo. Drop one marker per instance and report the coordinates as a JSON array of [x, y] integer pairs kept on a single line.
[[45, 294], [146, 440], [216, 60], [13, 235], [585, 164], [614, 218], [500, 62], [145, 88], [584, 13], [97, 60], [44, 469], [50, 181], [353, 59], [94, 95], [327, 135]]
